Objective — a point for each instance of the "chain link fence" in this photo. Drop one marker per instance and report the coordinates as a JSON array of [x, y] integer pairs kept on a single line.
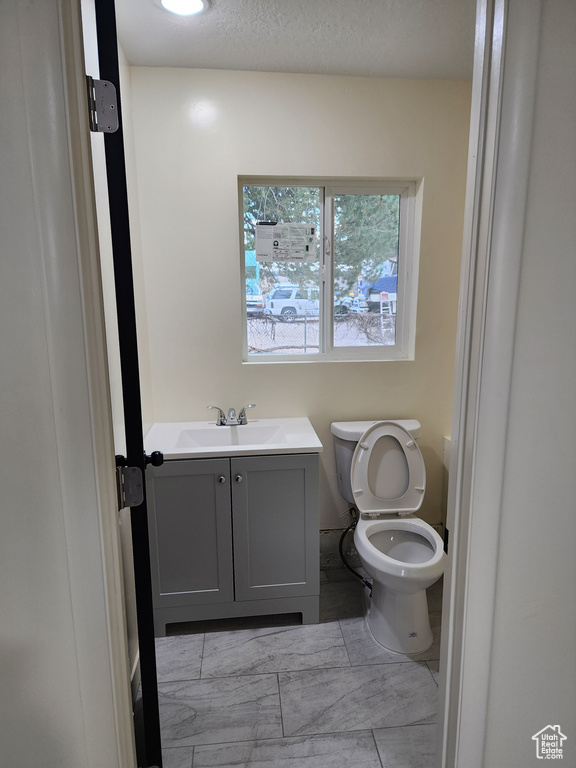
[[270, 335]]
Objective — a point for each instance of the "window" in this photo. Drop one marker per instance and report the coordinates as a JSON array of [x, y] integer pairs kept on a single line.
[[335, 265]]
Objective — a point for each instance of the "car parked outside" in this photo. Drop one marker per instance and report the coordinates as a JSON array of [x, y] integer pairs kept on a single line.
[[289, 302], [255, 304]]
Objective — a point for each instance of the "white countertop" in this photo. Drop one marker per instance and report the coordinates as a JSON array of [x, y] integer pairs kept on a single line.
[[203, 439]]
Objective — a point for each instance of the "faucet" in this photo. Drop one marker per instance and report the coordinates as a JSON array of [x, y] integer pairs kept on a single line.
[[221, 418], [231, 420], [242, 415]]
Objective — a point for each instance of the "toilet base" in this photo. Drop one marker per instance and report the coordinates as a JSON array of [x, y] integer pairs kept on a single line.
[[399, 621]]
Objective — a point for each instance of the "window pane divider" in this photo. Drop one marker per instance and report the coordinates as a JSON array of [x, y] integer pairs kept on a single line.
[[327, 276]]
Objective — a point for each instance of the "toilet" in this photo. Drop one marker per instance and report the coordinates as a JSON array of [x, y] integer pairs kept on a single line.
[[381, 472]]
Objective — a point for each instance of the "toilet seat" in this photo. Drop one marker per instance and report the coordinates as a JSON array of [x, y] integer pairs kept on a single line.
[[400, 571], [387, 473]]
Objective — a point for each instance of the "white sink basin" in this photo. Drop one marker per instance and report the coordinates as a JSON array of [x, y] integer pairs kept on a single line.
[[202, 439], [246, 434]]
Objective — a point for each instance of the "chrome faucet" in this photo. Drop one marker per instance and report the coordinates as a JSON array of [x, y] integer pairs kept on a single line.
[[221, 418], [231, 420], [242, 415]]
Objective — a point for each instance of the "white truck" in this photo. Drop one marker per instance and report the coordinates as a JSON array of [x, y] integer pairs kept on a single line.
[[290, 301]]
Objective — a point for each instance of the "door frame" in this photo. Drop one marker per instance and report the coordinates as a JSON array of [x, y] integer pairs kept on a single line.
[[78, 139], [504, 86], [482, 346], [147, 715]]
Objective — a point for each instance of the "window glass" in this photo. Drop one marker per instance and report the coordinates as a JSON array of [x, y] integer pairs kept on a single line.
[[366, 244], [289, 322]]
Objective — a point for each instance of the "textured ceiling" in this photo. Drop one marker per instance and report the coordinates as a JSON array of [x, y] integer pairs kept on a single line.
[[372, 38]]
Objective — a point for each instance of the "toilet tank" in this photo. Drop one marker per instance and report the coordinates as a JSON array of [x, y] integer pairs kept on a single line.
[[346, 435]]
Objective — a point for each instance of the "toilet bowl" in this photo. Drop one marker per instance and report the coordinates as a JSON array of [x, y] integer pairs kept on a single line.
[[384, 477], [404, 556]]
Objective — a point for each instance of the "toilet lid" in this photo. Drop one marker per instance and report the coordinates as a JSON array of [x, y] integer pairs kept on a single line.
[[387, 473]]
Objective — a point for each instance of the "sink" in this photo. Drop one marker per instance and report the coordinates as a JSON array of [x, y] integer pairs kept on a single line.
[[247, 434], [203, 439]]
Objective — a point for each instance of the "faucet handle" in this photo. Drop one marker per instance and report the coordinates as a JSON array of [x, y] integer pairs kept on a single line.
[[221, 418], [242, 415]]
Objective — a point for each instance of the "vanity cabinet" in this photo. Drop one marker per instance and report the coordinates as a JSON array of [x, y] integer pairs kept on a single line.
[[234, 537]]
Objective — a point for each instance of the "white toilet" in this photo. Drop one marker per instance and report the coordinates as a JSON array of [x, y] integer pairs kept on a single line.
[[381, 472]]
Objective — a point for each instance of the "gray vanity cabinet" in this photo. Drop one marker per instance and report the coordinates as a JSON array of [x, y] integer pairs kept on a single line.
[[234, 537], [190, 533], [275, 519]]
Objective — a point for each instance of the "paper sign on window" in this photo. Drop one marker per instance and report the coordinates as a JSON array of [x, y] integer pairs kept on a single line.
[[285, 242]]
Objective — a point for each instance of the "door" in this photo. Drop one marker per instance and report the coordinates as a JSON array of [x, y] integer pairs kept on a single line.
[[146, 714]]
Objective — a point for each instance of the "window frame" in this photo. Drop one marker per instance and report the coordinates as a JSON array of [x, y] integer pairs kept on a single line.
[[410, 193]]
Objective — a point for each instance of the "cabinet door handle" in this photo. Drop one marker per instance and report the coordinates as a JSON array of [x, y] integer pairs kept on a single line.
[[222, 479], [239, 478]]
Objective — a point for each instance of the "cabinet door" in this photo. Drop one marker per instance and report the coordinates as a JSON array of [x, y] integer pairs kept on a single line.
[[190, 532], [275, 519]]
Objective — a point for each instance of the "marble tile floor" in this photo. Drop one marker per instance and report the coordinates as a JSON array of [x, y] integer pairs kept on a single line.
[[272, 693]]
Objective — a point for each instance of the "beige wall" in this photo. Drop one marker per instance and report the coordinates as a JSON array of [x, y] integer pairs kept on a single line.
[[136, 244], [195, 132], [144, 364]]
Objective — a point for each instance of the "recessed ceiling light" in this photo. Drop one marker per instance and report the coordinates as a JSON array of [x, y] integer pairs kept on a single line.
[[184, 7]]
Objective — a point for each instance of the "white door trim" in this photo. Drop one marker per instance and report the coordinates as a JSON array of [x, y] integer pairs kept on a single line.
[[97, 361], [499, 154]]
